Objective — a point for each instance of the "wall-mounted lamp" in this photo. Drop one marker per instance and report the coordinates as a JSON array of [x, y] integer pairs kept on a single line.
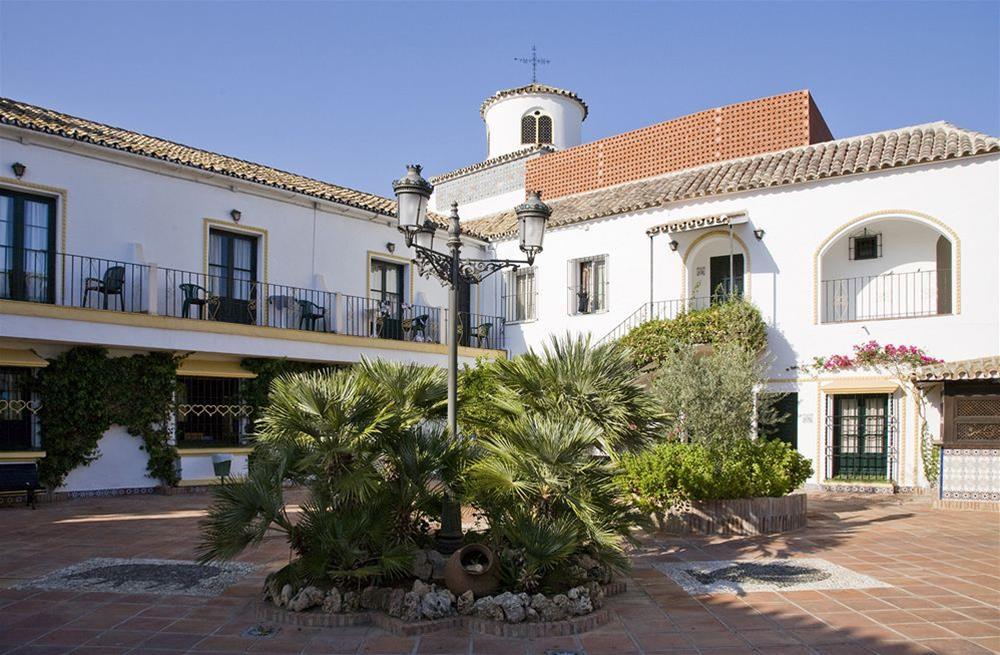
[[390, 246], [759, 233], [18, 169], [237, 215], [673, 245]]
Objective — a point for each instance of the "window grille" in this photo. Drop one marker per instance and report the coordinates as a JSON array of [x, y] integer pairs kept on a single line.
[[536, 128], [519, 295], [865, 246], [971, 420], [861, 437], [588, 285], [19, 405], [211, 412]]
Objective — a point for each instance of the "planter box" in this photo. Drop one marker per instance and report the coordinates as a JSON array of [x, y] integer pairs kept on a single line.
[[738, 516]]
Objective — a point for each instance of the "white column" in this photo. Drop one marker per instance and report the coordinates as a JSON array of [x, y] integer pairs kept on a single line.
[[152, 295]]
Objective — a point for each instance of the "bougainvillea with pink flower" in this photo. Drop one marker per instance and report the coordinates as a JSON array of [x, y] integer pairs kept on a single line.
[[875, 355]]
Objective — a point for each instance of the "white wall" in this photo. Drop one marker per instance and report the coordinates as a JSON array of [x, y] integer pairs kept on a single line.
[[200, 467], [503, 121], [121, 464]]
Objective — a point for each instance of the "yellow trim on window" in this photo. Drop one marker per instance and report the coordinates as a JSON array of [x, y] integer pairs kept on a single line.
[[388, 257], [236, 228], [860, 386], [212, 450], [21, 358], [21, 455], [213, 368]]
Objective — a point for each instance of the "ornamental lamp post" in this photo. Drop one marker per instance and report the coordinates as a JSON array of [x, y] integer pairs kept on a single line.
[[412, 194]]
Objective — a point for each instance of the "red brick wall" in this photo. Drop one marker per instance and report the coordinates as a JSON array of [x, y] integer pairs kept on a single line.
[[739, 130]]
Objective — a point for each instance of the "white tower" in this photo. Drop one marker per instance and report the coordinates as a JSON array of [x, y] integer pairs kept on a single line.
[[532, 115]]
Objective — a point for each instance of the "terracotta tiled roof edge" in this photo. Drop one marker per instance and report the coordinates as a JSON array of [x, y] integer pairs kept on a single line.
[[502, 159], [532, 88], [866, 153], [979, 368], [47, 121]]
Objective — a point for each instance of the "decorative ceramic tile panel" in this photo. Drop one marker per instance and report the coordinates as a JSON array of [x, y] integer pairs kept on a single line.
[[971, 474]]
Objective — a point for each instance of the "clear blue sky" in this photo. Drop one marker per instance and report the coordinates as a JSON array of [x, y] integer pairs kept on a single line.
[[349, 93]]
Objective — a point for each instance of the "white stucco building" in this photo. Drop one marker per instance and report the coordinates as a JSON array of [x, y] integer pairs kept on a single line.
[[892, 237]]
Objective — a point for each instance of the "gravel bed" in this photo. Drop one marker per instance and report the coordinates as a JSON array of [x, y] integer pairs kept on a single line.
[[742, 576], [129, 576]]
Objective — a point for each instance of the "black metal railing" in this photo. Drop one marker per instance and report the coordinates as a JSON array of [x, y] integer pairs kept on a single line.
[[391, 319], [482, 331], [896, 295], [72, 280], [19, 406], [659, 310]]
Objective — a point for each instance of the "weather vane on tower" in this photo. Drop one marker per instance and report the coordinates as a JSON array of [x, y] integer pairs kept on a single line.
[[535, 60]]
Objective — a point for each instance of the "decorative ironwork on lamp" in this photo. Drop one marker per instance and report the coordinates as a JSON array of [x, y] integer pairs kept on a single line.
[[18, 169]]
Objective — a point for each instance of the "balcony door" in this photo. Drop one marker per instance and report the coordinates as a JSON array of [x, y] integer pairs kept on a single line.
[[860, 436], [720, 285], [27, 247], [386, 293], [232, 269]]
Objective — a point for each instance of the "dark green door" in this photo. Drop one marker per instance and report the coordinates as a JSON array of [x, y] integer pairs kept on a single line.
[[386, 292], [720, 285], [27, 247], [860, 436]]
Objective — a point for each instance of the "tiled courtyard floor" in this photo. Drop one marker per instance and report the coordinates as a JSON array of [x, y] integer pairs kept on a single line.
[[944, 568]]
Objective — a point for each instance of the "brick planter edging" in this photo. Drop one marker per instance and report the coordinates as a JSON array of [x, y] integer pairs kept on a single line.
[[577, 625], [738, 516]]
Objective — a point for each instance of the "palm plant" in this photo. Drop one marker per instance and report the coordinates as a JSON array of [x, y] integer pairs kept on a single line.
[[548, 496], [355, 440], [572, 377]]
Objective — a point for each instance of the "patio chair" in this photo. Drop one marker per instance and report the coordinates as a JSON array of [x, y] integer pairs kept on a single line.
[[483, 334], [111, 284], [420, 327], [194, 296], [309, 313]]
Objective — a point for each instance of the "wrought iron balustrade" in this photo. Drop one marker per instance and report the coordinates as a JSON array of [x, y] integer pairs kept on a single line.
[[57, 278], [659, 310], [391, 319], [482, 331], [895, 295]]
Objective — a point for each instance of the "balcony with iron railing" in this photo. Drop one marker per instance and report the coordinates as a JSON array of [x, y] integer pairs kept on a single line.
[[63, 279], [889, 296]]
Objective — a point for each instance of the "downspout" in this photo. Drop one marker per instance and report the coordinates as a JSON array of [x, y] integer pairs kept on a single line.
[[651, 274], [732, 281]]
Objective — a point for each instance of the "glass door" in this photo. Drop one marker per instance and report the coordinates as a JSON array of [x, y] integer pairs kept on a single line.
[[386, 293], [860, 436], [232, 268], [721, 287], [27, 247]]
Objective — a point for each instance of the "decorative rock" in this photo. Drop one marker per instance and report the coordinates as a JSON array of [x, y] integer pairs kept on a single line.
[[421, 588], [530, 615], [351, 601], [308, 597], [286, 596], [578, 601], [466, 602], [596, 593], [395, 603], [437, 562], [333, 601], [411, 607], [436, 605], [369, 598], [487, 608], [422, 567], [558, 610], [512, 608]]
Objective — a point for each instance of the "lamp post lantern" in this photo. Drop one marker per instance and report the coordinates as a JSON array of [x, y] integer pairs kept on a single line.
[[412, 195]]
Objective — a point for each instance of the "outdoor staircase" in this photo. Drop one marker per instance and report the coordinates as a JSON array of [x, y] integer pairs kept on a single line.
[[654, 311]]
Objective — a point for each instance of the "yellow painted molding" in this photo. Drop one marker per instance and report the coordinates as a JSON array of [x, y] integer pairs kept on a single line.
[[61, 207], [889, 214], [41, 310], [210, 450], [388, 257], [860, 386], [213, 368], [21, 358], [21, 455]]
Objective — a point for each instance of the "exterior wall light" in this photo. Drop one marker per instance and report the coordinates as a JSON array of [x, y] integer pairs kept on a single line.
[[18, 169], [759, 233], [390, 246], [673, 245], [237, 215], [412, 193]]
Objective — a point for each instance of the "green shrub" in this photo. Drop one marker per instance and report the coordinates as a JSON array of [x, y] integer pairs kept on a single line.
[[673, 471], [736, 322]]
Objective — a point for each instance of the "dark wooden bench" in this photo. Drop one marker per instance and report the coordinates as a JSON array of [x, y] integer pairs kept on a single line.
[[20, 477]]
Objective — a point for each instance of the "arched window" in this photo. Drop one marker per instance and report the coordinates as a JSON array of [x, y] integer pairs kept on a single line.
[[536, 128]]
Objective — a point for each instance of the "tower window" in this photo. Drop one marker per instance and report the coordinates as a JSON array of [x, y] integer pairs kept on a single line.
[[536, 128]]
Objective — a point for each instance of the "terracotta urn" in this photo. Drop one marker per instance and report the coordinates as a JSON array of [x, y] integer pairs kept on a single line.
[[472, 567]]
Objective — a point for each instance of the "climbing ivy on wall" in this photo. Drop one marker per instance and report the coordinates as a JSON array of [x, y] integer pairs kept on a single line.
[[83, 392]]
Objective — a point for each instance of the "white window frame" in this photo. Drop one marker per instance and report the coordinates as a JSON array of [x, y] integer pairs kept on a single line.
[[593, 292], [512, 299]]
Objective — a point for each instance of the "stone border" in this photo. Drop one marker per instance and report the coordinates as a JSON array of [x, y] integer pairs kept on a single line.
[[738, 516], [266, 611], [963, 505]]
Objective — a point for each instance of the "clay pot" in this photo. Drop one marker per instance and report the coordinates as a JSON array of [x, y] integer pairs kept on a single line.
[[459, 579]]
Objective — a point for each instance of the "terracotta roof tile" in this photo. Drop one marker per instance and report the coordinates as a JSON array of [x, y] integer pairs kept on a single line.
[[906, 146], [980, 368]]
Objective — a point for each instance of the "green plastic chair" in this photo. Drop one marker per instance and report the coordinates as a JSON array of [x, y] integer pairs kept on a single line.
[[111, 284], [483, 334], [194, 296], [309, 313]]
